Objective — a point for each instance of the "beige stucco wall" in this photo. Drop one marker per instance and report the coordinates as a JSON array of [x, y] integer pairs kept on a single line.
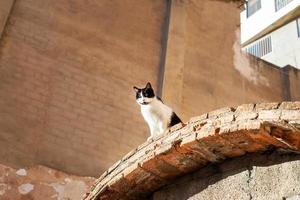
[[66, 70], [206, 68], [270, 176], [5, 8]]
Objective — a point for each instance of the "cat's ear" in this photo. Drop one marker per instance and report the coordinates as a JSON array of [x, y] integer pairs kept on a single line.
[[135, 89], [148, 85]]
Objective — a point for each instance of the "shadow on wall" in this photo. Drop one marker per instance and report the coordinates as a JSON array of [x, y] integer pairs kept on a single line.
[[272, 175]]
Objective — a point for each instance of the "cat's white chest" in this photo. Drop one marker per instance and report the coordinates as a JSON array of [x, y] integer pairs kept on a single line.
[[152, 114], [157, 115]]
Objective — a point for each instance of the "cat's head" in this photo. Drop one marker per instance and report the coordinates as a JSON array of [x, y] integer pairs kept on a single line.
[[144, 95]]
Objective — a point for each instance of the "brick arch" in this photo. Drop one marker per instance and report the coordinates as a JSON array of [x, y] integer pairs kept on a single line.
[[210, 138]]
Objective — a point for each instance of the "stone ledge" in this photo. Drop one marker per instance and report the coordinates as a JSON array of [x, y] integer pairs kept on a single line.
[[209, 138]]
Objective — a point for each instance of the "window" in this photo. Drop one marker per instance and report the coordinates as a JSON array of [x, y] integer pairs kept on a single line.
[[261, 48], [298, 26], [281, 3], [253, 6]]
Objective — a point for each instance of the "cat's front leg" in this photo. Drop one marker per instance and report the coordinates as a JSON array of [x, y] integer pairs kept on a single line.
[[156, 131], [163, 127], [150, 138], [153, 132]]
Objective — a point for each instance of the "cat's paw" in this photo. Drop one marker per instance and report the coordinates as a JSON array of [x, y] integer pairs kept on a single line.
[[150, 139]]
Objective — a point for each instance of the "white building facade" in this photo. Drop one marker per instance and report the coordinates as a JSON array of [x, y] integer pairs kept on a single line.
[[270, 30]]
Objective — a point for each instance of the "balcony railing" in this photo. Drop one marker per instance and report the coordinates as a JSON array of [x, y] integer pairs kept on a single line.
[[281, 3], [261, 48]]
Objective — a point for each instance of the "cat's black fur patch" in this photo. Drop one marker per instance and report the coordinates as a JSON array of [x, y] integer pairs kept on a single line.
[[174, 120], [148, 92]]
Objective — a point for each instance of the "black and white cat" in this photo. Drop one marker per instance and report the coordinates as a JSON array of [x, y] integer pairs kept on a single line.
[[159, 116]]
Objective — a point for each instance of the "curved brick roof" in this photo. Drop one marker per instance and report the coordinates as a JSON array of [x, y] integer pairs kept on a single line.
[[209, 138]]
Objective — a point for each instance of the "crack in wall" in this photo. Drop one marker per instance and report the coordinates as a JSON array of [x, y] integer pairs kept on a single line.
[[250, 178]]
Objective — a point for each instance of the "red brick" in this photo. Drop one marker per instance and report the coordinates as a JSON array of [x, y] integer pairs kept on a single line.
[[290, 105], [245, 108], [159, 167], [266, 106], [290, 115]]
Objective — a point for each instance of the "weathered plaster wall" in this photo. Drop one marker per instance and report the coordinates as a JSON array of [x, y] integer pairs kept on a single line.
[[66, 70], [40, 182], [259, 176], [5, 8], [205, 67], [294, 81]]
